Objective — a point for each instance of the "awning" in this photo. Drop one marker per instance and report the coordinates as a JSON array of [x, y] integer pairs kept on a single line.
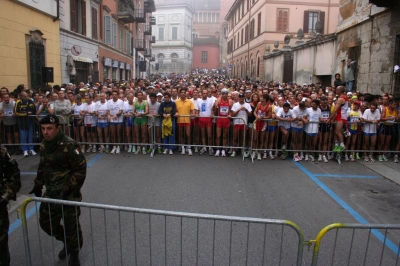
[[82, 59]]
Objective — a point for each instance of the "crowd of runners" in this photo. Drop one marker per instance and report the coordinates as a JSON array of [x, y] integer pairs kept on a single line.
[[209, 114]]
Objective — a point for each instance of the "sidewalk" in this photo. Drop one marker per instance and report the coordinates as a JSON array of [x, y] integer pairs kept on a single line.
[[389, 170]]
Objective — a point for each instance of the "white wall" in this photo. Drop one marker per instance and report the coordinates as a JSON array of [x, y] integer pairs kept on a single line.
[[48, 7]]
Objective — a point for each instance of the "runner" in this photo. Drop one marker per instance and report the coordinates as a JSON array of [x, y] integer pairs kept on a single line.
[[354, 120], [88, 111], [240, 111], [371, 118], [311, 129], [339, 115], [324, 128], [115, 107], [154, 122], [129, 120], [300, 114], [140, 111], [387, 130], [206, 111], [262, 112], [285, 116], [223, 107], [184, 109], [103, 117]]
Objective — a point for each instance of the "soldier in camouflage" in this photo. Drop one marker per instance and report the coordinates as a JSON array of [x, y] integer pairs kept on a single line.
[[10, 184], [62, 169]]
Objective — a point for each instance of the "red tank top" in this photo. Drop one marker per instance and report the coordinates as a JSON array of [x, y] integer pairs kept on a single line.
[[263, 112], [223, 108], [342, 111]]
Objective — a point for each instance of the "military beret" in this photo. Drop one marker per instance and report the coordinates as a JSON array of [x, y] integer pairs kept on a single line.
[[50, 119]]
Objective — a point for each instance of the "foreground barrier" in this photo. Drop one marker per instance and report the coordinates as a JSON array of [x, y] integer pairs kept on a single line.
[[114, 235]]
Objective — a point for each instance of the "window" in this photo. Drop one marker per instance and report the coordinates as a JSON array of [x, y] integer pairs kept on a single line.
[[258, 66], [78, 16], [174, 33], [204, 56], [282, 20], [174, 60], [259, 24], [121, 39], [128, 43], [114, 34], [310, 18], [246, 34], [242, 36], [252, 29], [107, 29], [161, 33], [94, 23]]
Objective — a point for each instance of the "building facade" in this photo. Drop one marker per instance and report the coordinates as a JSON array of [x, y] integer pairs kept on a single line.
[[252, 25], [206, 53], [174, 47], [29, 40], [369, 33]]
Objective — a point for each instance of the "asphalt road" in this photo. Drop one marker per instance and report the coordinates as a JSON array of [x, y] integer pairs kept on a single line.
[[312, 195]]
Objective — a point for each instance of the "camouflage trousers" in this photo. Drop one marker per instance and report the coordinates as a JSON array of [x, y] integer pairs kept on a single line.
[[70, 232], [4, 225]]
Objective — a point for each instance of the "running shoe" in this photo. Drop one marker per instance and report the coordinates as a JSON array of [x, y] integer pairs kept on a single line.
[[83, 148], [183, 151], [335, 148], [296, 157], [210, 151], [357, 156], [230, 151], [118, 151], [189, 151], [272, 157], [283, 147], [246, 154], [159, 150], [126, 147], [133, 149], [306, 158], [26, 153], [223, 153], [196, 150], [301, 155], [89, 149], [352, 158], [346, 158], [171, 152], [396, 158], [265, 155], [324, 159], [253, 155], [217, 153], [384, 158], [144, 150], [180, 148], [203, 150], [311, 158], [233, 155], [371, 158], [320, 158], [113, 150], [101, 149], [259, 156], [340, 148], [165, 151], [130, 148], [380, 158], [94, 148], [107, 150], [33, 152], [137, 150], [283, 156], [150, 150]]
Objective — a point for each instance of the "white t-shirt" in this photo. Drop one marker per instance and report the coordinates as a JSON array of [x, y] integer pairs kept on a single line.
[[128, 107], [90, 119], [76, 109], [114, 108], [313, 118], [283, 114], [205, 107], [102, 109], [298, 113], [242, 114], [368, 115]]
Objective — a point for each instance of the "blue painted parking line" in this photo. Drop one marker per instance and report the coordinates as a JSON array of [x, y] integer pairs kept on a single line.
[[346, 176], [349, 209], [15, 225]]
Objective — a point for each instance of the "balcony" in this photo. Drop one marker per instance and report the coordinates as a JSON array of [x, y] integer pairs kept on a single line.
[[147, 52], [153, 58], [140, 45], [153, 39], [126, 12], [140, 16], [152, 20], [147, 29], [149, 6]]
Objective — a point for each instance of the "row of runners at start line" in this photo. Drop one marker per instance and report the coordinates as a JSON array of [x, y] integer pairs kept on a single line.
[[312, 125]]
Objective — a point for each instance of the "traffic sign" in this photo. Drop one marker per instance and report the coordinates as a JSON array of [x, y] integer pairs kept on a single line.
[[230, 66]]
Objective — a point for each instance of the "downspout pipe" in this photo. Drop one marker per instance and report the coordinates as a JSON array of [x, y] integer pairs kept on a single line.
[[58, 11]]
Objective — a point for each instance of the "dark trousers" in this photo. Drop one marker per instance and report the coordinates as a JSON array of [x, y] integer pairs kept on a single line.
[[71, 233], [4, 225]]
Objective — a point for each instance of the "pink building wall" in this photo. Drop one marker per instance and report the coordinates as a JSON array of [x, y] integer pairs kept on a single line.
[[213, 56]]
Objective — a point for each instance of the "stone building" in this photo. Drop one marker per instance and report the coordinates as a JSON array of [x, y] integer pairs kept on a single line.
[[173, 30], [369, 33], [252, 25]]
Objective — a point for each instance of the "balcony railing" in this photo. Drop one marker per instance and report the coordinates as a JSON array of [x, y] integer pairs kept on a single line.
[[126, 12], [147, 29], [153, 39], [149, 6], [152, 20], [140, 16], [140, 45], [147, 52]]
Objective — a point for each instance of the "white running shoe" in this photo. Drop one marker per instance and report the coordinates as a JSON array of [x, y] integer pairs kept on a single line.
[[311, 158], [89, 149], [94, 148], [130, 148], [210, 151], [306, 158], [223, 153], [217, 153], [396, 158], [183, 151], [265, 155], [324, 159], [203, 151], [320, 158], [143, 150], [113, 149], [26, 153], [259, 156], [165, 151], [171, 152], [33, 152], [196, 150], [118, 151], [189, 151]]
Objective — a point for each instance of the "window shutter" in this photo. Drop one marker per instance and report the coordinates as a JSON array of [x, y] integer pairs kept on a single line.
[[306, 21], [73, 15], [94, 23], [114, 34], [322, 19], [83, 3], [107, 28]]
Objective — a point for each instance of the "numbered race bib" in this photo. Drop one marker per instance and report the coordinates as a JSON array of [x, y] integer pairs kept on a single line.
[[76, 112], [224, 110], [261, 114], [8, 112], [140, 111], [203, 107]]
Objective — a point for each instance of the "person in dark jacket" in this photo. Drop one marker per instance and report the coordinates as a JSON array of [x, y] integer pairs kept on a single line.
[[25, 111], [338, 82], [167, 111]]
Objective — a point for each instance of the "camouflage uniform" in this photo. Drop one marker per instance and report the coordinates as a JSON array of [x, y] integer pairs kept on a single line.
[[62, 168], [10, 183]]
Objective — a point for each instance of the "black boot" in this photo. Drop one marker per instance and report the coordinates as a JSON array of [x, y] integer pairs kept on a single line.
[[74, 259]]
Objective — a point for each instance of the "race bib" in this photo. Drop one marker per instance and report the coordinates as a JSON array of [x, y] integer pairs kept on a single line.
[[140, 111], [203, 107], [224, 110], [76, 112], [8, 112]]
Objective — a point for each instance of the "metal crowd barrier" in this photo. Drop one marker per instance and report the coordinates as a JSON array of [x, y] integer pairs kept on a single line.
[[114, 235], [272, 141]]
